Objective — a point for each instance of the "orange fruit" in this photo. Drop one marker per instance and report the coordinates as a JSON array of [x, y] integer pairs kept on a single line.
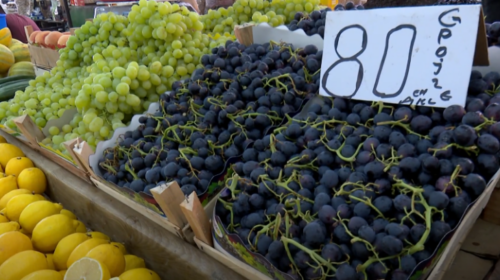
[[32, 179], [18, 164]]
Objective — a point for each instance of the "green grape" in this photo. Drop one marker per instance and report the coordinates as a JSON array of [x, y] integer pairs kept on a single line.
[[122, 89], [54, 130], [67, 128], [96, 124], [57, 139]]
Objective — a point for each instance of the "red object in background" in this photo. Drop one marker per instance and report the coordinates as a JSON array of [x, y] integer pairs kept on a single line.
[[16, 24], [79, 2]]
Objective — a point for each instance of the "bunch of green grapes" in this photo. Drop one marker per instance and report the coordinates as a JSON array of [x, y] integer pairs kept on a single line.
[[112, 68], [276, 12]]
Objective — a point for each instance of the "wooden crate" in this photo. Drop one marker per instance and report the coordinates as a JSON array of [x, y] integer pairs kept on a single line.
[[203, 239], [43, 58]]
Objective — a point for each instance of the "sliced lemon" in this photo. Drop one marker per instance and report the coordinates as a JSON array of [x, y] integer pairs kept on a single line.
[[111, 256], [81, 250], [88, 269]]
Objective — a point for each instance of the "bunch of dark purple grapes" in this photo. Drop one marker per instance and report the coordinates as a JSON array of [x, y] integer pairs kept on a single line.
[[239, 94], [354, 190], [314, 23]]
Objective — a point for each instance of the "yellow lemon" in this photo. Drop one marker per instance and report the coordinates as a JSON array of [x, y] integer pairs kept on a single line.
[[5, 199], [49, 231], [17, 204], [32, 179], [7, 184], [111, 256], [120, 246], [3, 219], [2, 139], [63, 272], [22, 264], [132, 261], [12, 243], [139, 273], [18, 164], [50, 261], [37, 211], [99, 235], [81, 227], [46, 274], [81, 250], [65, 247], [7, 152], [68, 213], [88, 269], [9, 226]]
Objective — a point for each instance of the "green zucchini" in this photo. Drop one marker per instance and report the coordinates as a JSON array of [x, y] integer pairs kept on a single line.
[[15, 78], [7, 91]]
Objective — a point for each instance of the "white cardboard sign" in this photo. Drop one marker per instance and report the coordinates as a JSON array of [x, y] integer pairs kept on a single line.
[[415, 56]]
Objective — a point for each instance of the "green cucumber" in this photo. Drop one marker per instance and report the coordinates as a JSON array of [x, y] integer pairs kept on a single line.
[[8, 90], [15, 78]]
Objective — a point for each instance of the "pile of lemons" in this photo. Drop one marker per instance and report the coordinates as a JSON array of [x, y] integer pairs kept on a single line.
[[39, 240]]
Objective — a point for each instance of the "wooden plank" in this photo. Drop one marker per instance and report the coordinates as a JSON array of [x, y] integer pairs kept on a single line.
[[468, 267], [142, 211], [483, 239], [236, 265], [491, 213], [67, 165], [494, 273], [449, 253], [163, 252]]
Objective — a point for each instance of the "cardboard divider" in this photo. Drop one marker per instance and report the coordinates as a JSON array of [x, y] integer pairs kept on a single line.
[[197, 218], [169, 196], [33, 135]]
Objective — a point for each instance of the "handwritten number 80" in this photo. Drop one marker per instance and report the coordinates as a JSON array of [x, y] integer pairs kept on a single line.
[[360, 72]]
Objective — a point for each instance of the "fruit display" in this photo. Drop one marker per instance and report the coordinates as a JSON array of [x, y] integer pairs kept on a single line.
[[240, 94], [110, 71], [275, 13], [41, 240], [361, 190]]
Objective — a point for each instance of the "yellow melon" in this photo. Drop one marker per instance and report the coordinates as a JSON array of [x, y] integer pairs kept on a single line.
[[21, 52], [6, 59], [5, 36], [22, 68]]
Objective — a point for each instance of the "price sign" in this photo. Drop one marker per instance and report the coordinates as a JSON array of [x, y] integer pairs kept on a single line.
[[416, 56]]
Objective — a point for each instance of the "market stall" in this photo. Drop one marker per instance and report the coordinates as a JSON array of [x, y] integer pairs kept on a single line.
[[265, 140]]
